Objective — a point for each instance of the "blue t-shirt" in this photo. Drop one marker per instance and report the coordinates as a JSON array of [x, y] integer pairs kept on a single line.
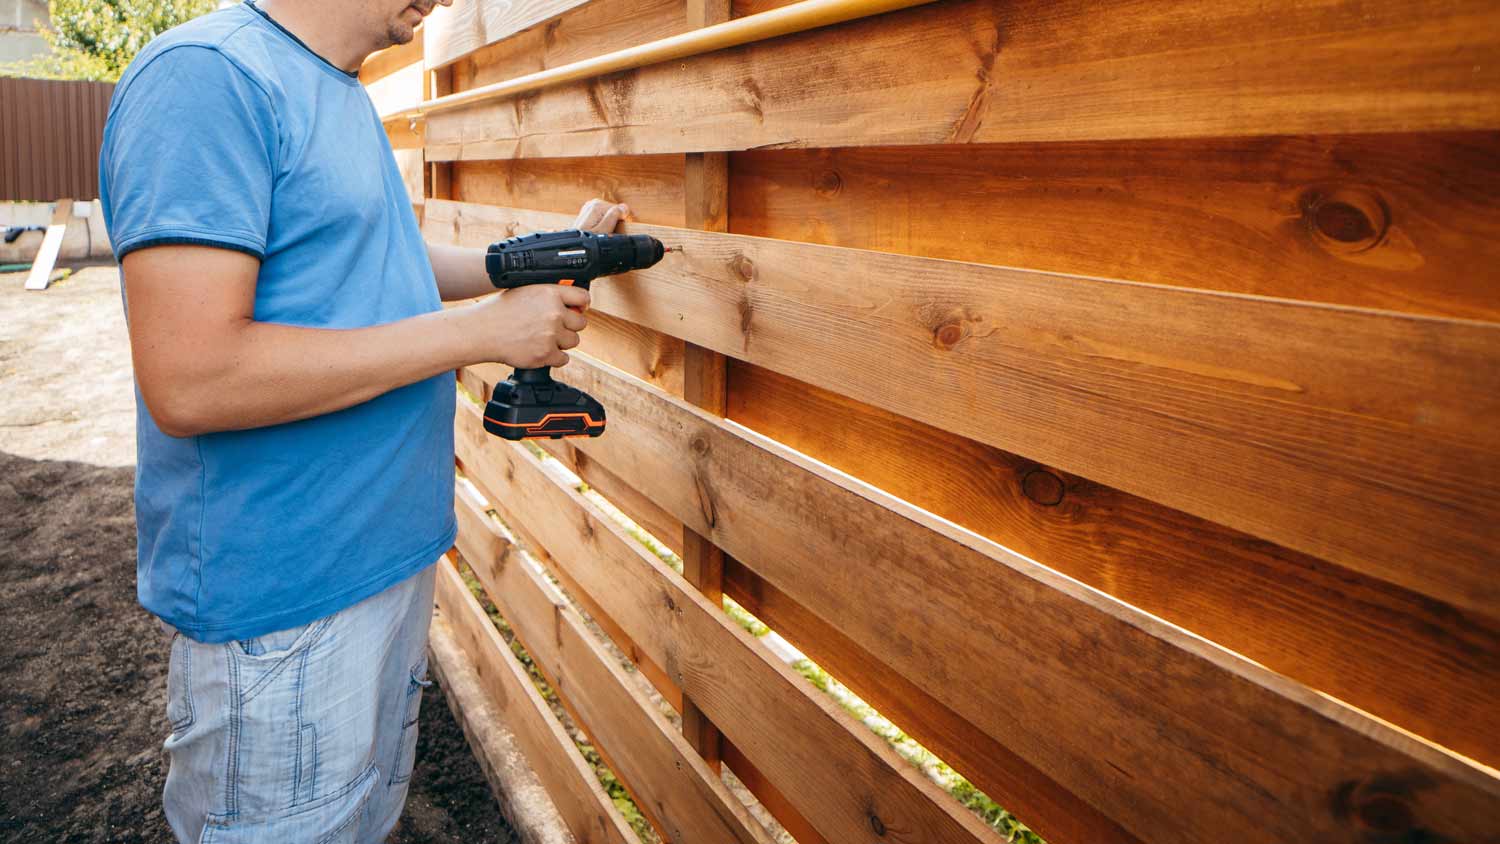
[[227, 131]]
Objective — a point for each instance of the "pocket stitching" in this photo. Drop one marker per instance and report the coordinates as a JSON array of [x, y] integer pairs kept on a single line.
[[237, 653], [179, 725], [225, 821]]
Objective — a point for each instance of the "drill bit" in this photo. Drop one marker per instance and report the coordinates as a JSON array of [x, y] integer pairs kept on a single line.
[[677, 248]]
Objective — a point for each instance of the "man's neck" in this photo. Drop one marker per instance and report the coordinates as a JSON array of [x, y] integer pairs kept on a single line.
[[322, 29]]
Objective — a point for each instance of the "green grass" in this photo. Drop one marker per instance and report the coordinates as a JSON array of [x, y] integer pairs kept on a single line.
[[612, 785]]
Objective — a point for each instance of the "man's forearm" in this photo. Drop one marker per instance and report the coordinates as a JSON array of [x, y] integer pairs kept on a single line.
[[268, 373], [459, 271]]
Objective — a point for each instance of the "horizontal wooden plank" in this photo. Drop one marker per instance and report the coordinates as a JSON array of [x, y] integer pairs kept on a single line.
[[1325, 626], [650, 184], [583, 32], [1103, 698], [649, 669], [582, 802], [405, 134], [401, 89], [835, 772], [466, 25], [685, 796], [527, 807], [1384, 221], [1031, 795], [985, 71], [1292, 422]]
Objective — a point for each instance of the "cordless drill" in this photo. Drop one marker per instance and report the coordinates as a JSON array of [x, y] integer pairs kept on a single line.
[[529, 404]]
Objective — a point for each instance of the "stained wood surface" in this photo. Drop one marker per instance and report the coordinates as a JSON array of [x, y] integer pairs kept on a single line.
[[651, 185], [985, 71], [580, 799], [1029, 794], [401, 89], [1385, 221], [835, 772], [450, 32], [528, 808], [1330, 628], [1284, 420], [1104, 698], [686, 796], [593, 29]]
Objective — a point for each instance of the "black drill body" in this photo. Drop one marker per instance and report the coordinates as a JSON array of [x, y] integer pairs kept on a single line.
[[530, 404]]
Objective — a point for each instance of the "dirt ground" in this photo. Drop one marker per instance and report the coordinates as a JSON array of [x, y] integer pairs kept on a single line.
[[82, 666]]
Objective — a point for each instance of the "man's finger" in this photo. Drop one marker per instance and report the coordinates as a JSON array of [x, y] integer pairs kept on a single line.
[[574, 297], [558, 358], [567, 339], [591, 213], [575, 321], [610, 219]]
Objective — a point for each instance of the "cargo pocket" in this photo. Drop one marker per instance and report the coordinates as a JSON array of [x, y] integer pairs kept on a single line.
[[180, 685], [406, 747], [330, 820]]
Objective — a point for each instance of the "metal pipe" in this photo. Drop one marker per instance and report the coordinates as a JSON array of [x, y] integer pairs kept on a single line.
[[798, 17]]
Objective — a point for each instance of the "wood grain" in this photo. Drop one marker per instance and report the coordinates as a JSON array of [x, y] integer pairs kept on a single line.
[[1383, 221], [1288, 421], [652, 185], [1029, 794], [528, 808], [580, 799], [684, 794], [836, 773], [1170, 736], [1325, 626], [465, 26], [593, 29], [990, 71]]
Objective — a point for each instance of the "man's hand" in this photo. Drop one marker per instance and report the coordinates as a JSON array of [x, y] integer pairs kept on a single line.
[[529, 326], [460, 270], [601, 217]]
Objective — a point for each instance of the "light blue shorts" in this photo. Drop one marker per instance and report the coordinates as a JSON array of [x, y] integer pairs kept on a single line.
[[303, 735]]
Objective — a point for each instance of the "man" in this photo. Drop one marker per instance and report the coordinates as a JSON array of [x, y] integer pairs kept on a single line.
[[294, 410]]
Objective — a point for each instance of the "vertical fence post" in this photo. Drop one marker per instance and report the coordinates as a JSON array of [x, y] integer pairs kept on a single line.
[[706, 206]]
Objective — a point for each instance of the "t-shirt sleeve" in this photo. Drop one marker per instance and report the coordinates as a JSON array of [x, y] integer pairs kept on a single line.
[[189, 156]]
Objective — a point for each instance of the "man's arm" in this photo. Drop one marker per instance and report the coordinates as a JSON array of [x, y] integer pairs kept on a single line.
[[460, 270], [205, 364]]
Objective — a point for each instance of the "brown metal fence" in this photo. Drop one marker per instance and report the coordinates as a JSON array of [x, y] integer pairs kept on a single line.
[[50, 132]]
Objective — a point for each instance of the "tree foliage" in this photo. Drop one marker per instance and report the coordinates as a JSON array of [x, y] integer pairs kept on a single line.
[[96, 39]]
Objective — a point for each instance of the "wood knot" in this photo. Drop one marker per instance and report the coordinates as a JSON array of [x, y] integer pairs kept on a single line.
[[743, 266], [699, 445], [1345, 220], [1381, 806], [876, 824], [1385, 813], [948, 335], [828, 183], [1043, 487]]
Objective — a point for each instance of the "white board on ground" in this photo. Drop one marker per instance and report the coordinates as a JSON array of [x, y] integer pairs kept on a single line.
[[41, 268]]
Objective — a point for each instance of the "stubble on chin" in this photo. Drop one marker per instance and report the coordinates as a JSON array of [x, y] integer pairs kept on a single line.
[[397, 32]]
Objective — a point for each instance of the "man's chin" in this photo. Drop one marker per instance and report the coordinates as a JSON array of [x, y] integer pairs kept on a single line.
[[399, 33]]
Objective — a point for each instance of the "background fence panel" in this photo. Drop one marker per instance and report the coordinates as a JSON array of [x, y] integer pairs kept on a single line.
[[50, 134]]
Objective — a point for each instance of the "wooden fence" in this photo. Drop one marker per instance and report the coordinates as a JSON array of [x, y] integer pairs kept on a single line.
[[50, 133], [1105, 392]]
